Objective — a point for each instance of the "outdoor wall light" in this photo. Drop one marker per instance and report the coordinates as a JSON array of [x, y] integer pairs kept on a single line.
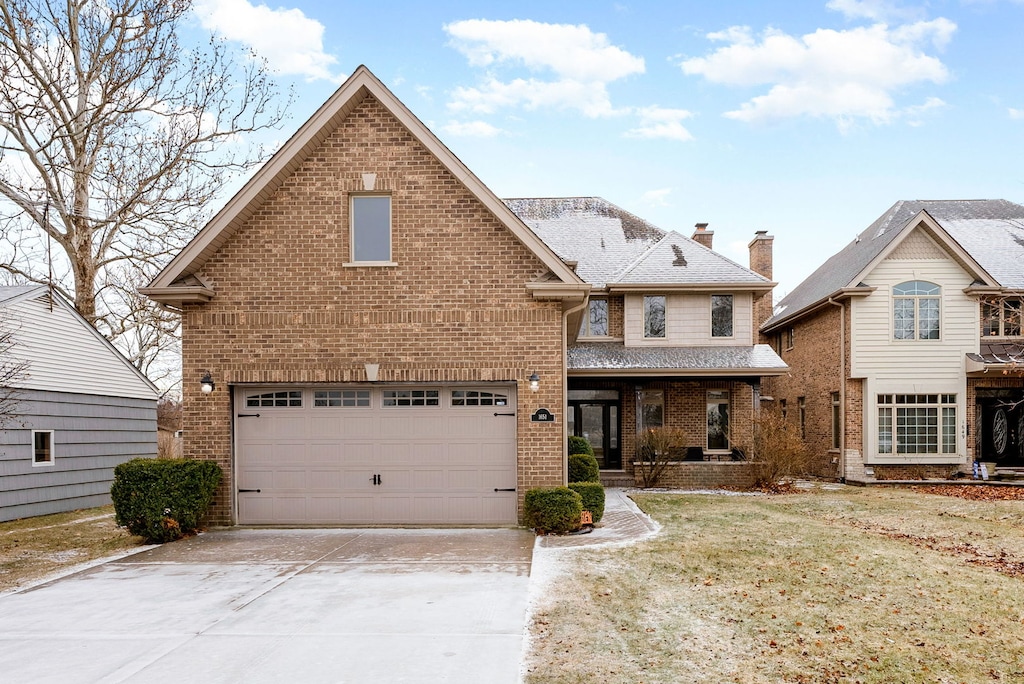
[[206, 384], [534, 382]]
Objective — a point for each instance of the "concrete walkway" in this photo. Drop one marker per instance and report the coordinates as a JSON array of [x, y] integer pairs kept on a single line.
[[622, 523], [282, 606]]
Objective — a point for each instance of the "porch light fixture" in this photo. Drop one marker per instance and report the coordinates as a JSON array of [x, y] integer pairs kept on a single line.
[[534, 382], [206, 384]]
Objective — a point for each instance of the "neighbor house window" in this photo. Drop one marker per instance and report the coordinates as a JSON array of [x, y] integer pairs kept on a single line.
[[42, 447], [652, 409], [915, 310], [718, 420], [371, 228], [789, 338], [595, 323], [917, 423], [836, 422], [654, 316], [721, 315], [1001, 318]]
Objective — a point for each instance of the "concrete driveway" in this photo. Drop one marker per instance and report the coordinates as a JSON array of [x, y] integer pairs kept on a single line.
[[282, 606]]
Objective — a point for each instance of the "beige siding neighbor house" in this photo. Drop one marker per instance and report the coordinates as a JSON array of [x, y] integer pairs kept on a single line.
[[384, 341], [904, 346]]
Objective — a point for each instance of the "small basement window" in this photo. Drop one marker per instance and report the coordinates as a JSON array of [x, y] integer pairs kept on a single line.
[[42, 447]]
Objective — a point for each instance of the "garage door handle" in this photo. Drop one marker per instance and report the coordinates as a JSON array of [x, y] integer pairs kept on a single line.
[[248, 415], [510, 489], [243, 491], [504, 414]]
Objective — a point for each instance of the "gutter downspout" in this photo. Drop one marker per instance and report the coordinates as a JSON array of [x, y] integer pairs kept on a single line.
[[565, 384], [842, 388]]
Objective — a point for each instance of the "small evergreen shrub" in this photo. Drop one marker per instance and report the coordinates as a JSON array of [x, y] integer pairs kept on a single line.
[[163, 499], [552, 509], [592, 494], [580, 445], [583, 468]]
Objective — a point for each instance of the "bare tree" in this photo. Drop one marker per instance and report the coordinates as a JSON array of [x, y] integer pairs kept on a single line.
[[12, 372], [114, 139]]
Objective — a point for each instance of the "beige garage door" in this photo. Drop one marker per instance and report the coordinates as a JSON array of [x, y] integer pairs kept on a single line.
[[376, 455]]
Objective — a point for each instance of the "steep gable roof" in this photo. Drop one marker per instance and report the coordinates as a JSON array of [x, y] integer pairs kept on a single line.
[[618, 250], [63, 352], [990, 234], [178, 283]]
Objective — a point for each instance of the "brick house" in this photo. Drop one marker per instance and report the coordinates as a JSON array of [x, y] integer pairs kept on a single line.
[[369, 334], [905, 345]]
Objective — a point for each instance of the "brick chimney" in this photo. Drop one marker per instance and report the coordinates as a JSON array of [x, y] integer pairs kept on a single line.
[[761, 262], [703, 235]]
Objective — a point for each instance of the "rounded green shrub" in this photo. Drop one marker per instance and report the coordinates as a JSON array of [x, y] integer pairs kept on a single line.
[[163, 499], [592, 495], [583, 468], [580, 445], [552, 510]]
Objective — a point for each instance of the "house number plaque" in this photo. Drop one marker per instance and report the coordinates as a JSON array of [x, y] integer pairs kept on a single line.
[[542, 415]]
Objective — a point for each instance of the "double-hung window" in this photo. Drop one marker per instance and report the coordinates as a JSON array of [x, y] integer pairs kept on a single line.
[[721, 315], [916, 423], [371, 229], [595, 322], [654, 316], [915, 312]]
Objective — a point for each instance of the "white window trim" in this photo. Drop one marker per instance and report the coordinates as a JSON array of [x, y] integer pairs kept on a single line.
[[53, 449], [711, 316], [352, 231], [917, 310], [870, 416]]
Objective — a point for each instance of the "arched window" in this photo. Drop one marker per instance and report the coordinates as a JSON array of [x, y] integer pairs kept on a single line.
[[915, 310]]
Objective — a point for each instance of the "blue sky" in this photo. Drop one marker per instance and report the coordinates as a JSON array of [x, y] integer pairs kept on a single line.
[[806, 119]]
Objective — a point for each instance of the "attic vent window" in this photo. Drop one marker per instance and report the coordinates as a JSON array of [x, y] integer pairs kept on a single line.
[[680, 260], [371, 229]]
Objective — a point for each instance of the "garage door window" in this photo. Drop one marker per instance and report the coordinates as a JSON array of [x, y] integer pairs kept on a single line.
[[288, 398], [476, 398], [412, 398], [341, 398]]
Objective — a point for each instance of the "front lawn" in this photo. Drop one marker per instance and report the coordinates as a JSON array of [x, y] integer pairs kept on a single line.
[[32, 548], [856, 585]]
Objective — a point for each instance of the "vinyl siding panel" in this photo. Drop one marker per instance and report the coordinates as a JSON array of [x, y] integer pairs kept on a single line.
[[66, 355], [895, 366], [92, 435], [688, 321]]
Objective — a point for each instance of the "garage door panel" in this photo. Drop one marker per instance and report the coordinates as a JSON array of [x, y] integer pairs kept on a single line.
[[373, 464]]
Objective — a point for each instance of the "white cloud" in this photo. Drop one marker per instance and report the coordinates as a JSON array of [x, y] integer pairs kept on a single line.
[[581, 64], [471, 129], [291, 42], [656, 198], [1015, 113], [841, 75], [658, 122]]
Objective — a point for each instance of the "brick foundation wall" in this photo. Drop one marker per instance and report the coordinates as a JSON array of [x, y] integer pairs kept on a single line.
[[914, 472], [454, 309], [706, 475]]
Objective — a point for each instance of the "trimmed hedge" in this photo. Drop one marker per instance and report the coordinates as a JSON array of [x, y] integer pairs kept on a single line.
[[583, 468], [580, 445], [163, 499], [553, 509], [592, 494]]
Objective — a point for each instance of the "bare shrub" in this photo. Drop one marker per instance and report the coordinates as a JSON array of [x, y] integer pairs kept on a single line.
[[778, 450], [655, 449]]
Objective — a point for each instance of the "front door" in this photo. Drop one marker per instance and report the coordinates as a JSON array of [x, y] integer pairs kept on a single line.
[[595, 416]]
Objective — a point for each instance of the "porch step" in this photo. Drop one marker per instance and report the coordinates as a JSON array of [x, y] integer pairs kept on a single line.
[[616, 478], [1008, 474]]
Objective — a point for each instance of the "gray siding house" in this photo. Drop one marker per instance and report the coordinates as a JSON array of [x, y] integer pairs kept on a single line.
[[81, 409]]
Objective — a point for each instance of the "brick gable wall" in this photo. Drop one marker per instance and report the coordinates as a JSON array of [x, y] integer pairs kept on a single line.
[[455, 308]]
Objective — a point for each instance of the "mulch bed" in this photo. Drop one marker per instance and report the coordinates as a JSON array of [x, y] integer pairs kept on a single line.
[[974, 492]]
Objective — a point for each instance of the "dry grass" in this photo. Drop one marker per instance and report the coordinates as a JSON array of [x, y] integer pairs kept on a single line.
[[33, 548], [858, 585]]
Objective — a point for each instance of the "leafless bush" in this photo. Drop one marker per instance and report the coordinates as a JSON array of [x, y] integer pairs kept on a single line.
[[13, 373], [778, 450], [654, 451]]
